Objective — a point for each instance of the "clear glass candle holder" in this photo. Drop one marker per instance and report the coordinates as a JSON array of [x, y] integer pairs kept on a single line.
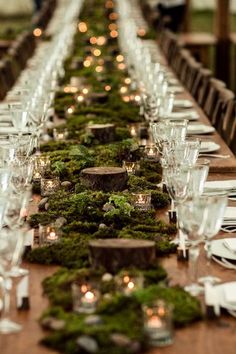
[[158, 325], [48, 234], [128, 283], [142, 200], [60, 134], [85, 297], [49, 186], [131, 167], [151, 152]]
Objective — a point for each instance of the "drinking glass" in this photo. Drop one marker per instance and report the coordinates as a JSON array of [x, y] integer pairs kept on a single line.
[[199, 173], [214, 215], [9, 243], [191, 217]]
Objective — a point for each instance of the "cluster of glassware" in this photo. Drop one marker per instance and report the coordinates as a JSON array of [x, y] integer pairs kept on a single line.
[[199, 216], [27, 110]]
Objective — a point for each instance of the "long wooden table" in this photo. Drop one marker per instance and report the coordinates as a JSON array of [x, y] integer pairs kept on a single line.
[[200, 338]]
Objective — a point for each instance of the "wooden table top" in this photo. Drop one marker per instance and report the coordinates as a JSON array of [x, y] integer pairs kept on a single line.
[[200, 338]]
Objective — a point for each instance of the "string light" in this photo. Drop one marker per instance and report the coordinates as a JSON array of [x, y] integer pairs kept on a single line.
[[87, 63], [101, 40], [37, 32], [99, 68], [123, 89], [80, 98], [93, 40], [113, 34], [113, 16], [85, 91], [97, 52], [127, 80], [82, 27], [107, 88], [119, 58]]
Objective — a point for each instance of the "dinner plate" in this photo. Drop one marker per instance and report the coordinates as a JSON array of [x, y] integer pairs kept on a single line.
[[183, 103], [228, 184], [190, 115], [175, 89], [219, 250], [200, 129], [221, 297], [209, 146]]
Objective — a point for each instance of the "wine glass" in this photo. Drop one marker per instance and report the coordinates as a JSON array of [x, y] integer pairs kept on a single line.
[[9, 248], [199, 174], [215, 209], [20, 119], [191, 218]]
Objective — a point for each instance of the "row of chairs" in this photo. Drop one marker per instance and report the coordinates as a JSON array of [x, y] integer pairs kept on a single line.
[[22, 49], [211, 94]]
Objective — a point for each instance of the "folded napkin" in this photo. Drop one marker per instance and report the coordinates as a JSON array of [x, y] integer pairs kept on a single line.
[[230, 213], [230, 292], [230, 243], [221, 185]]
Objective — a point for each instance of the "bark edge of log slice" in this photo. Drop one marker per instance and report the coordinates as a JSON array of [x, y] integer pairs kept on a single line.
[[115, 254], [104, 133], [106, 179]]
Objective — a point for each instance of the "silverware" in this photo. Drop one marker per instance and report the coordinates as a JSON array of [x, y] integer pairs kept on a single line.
[[230, 229], [215, 155]]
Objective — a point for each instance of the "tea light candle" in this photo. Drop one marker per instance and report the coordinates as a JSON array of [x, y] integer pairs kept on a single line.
[[128, 283], [158, 324], [131, 167], [85, 298], [133, 130], [142, 200], [70, 110], [60, 135], [49, 186], [48, 234], [36, 176], [151, 152], [42, 163]]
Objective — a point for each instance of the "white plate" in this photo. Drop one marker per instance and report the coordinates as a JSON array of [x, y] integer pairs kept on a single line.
[[219, 250], [209, 146], [228, 185], [220, 293], [175, 89], [190, 115], [230, 213], [11, 130], [200, 129], [183, 103]]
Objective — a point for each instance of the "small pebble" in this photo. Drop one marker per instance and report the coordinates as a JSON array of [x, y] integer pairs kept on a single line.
[[93, 320], [88, 344], [107, 277], [42, 203], [120, 340]]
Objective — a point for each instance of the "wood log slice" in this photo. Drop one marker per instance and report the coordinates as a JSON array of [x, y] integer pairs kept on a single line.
[[104, 133], [114, 254], [106, 179]]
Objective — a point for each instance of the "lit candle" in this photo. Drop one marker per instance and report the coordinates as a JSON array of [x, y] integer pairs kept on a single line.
[[133, 130], [131, 167], [154, 322], [52, 236], [151, 152], [49, 186], [142, 200], [128, 284], [85, 298], [48, 234]]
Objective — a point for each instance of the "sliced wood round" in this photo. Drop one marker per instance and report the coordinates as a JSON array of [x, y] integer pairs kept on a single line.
[[115, 254], [104, 133], [106, 179]]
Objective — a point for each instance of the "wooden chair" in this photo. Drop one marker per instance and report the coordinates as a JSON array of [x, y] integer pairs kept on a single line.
[[214, 88], [3, 83], [200, 85], [223, 110]]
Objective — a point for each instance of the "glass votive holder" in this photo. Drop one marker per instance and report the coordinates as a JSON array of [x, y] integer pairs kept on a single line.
[[60, 134], [158, 325], [128, 283], [151, 152], [85, 297], [42, 164], [142, 200], [131, 167], [134, 130], [48, 234], [49, 186]]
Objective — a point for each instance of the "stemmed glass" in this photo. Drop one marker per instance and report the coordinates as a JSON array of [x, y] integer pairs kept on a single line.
[[215, 208], [10, 247], [199, 174], [191, 219], [20, 119]]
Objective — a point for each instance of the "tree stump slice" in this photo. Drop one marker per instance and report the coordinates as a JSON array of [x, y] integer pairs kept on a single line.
[[114, 254], [106, 179], [104, 133]]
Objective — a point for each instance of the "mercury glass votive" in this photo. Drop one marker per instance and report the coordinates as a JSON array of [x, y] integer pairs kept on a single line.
[[142, 200], [48, 234], [42, 164], [158, 325], [85, 297], [128, 283], [49, 186], [131, 167], [60, 134]]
